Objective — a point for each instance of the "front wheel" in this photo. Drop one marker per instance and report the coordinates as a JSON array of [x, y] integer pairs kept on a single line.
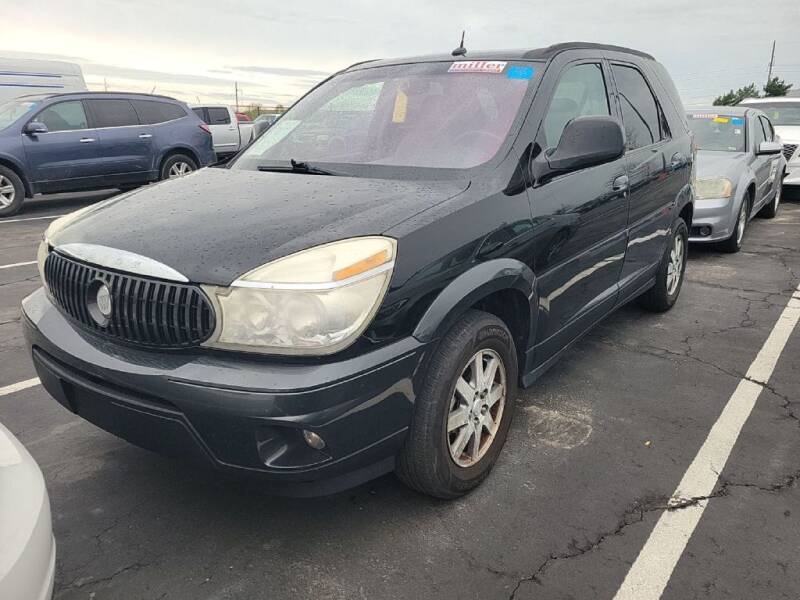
[[669, 277], [734, 243], [463, 412], [177, 165], [771, 210], [12, 192]]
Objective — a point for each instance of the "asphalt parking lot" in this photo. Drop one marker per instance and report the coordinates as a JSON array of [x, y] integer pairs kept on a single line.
[[597, 448]]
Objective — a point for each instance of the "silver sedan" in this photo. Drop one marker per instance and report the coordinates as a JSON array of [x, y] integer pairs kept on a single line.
[[740, 167]]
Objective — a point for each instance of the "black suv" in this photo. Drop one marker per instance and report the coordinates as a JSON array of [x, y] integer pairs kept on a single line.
[[365, 288]]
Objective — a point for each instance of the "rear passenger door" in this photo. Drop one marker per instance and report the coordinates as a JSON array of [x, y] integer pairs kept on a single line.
[[580, 217], [125, 144], [651, 157]]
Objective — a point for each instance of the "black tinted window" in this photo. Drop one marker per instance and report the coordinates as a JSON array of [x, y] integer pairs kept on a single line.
[[64, 116], [113, 113], [640, 113], [580, 92], [154, 111], [200, 112], [218, 116]]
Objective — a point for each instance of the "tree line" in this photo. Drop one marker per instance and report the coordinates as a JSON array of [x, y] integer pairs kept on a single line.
[[774, 87]]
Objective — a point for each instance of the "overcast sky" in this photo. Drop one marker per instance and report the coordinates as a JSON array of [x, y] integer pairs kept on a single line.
[[196, 50]]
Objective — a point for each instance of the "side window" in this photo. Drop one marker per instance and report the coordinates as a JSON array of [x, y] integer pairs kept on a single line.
[[580, 92], [641, 114], [218, 116], [154, 111], [200, 112], [769, 132], [64, 116], [113, 113], [758, 134]]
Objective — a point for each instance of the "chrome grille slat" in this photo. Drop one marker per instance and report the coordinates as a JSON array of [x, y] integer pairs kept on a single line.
[[146, 312]]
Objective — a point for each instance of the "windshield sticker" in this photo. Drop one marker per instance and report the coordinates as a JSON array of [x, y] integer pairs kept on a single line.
[[478, 66], [737, 121], [721, 119], [704, 116], [400, 107], [519, 72]]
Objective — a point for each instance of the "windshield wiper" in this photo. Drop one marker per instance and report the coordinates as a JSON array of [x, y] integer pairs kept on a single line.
[[297, 167]]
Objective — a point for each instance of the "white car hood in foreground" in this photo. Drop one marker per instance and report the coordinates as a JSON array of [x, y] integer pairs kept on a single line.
[[27, 547]]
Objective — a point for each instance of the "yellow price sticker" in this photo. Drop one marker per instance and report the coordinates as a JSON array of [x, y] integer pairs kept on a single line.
[[400, 107], [721, 119]]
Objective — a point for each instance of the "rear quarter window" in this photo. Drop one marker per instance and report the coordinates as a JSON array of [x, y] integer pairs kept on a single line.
[[155, 111]]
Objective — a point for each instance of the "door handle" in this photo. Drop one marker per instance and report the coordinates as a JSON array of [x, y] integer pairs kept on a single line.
[[87, 140], [145, 136], [620, 184]]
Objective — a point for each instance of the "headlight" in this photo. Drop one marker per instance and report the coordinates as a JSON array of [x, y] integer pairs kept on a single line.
[[717, 187], [317, 301], [41, 256]]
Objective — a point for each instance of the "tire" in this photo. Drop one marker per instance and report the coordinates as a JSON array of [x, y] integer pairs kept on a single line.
[[12, 192], [427, 461], [734, 243], [177, 162], [771, 210], [662, 296]]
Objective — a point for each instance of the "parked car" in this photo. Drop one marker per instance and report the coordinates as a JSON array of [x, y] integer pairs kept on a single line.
[[409, 244], [262, 123], [739, 172], [784, 113], [25, 76], [28, 549], [93, 140], [229, 133]]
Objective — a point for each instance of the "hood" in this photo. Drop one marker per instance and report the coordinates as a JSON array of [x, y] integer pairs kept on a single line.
[[789, 134], [711, 163], [217, 224]]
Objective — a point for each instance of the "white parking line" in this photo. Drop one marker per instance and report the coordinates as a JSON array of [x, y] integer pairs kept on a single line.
[[650, 573], [22, 264], [3, 221], [19, 386]]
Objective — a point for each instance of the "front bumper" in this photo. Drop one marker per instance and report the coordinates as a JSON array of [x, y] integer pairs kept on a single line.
[[718, 214], [27, 546], [234, 411]]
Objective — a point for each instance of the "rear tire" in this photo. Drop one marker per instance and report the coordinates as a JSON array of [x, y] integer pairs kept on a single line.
[[734, 243], [12, 192], [771, 210], [177, 165], [662, 296], [450, 410]]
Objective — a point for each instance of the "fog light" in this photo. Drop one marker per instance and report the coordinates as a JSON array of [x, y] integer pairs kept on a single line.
[[313, 440], [705, 231]]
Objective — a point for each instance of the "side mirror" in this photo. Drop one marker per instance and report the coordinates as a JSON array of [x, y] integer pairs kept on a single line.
[[35, 127], [585, 142], [770, 148]]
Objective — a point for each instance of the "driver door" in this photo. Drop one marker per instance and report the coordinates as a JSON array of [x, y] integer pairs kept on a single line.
[[68, 154], [580, 218]]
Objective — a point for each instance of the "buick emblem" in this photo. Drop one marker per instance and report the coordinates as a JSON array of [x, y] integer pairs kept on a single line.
[[99, 303], [103, 300]]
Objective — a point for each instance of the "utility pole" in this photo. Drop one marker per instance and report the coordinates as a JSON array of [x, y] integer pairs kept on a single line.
[[236, 88], [771, 61]]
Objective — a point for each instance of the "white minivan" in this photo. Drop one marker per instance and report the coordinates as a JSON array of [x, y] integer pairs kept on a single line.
[[25, 76]]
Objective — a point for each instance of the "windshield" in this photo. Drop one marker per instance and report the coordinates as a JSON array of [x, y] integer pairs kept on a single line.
[[780, 113], [13, 110], [442, 115], [718, 132]]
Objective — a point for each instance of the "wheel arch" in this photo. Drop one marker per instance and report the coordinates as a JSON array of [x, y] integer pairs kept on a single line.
[[17, 168], [172, 151], [504, 287]]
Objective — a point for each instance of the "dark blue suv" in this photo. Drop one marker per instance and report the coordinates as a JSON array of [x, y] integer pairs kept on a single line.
[[92, 140]]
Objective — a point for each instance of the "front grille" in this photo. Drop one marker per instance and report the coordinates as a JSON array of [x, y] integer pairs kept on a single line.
[[144, 311], [789, 150]]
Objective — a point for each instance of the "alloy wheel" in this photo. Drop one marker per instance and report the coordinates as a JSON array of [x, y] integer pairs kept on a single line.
[[741, 223], [179, 169], [675, 267], [476, 408], [7, 192]]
